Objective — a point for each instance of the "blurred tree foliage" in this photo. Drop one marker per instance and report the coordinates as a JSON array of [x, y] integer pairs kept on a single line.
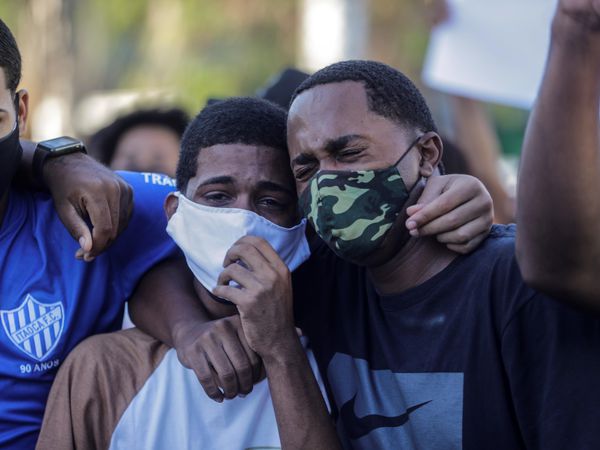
[[209, 47], [204, 48]]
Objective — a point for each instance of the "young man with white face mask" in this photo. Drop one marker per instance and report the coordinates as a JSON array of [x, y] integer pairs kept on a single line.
[[236, 192], [160, 402]]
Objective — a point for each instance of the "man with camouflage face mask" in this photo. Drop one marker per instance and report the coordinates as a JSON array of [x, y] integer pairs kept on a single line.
[[417, 344], [353, 210]]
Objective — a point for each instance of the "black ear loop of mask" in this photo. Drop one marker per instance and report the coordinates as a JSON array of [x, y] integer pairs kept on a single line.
[[11, 157], [405, 234]]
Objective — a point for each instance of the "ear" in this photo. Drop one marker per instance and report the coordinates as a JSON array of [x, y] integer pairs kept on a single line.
[[171, 204], [23, 110], [431, 149]]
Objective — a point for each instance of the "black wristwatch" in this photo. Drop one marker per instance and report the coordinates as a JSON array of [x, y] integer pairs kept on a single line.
[[54, 148]]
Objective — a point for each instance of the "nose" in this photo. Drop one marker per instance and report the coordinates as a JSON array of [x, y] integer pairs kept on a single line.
[[244, 201]]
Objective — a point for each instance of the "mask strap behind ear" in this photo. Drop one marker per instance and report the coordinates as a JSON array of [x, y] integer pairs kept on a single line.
[[407, 151], [17, 99]]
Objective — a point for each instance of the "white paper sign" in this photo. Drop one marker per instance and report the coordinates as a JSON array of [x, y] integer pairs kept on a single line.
[[491, 50]]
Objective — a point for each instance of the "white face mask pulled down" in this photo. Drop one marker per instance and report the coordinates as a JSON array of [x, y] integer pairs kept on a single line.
[[205, 234]]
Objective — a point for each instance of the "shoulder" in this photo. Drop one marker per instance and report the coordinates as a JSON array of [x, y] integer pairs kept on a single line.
[[500, 243], [126, 349], [148, 216], [496, 255], [492, 271], [147, 180], [31, 212], [149, 189]]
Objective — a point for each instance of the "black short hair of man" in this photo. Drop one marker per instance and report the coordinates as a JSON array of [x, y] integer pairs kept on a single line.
[[10, 58], [103, 144], [236, 120], [390, 93]]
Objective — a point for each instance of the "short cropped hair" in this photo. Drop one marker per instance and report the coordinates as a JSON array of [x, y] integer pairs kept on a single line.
[[237, 120], [103, 143], [10, 58], [390, 93]]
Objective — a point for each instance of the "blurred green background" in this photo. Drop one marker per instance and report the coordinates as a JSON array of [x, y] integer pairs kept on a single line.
[[194, 49]]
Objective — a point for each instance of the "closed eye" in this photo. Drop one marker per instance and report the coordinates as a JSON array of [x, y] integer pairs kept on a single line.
[[303, 173], [349, 154]]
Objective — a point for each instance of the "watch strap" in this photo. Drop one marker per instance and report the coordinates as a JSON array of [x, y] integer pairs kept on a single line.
[[39, 158], [46, 149]]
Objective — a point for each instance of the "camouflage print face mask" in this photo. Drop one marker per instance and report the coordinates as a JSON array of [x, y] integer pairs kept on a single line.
[[353, 210]]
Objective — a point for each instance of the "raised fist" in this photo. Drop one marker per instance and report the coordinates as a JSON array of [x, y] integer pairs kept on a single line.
[[585, 13]]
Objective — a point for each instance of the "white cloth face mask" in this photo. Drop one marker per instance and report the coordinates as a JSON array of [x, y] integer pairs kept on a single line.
[[205, 234]]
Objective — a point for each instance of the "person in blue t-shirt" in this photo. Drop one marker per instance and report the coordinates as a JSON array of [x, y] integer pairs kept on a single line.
[[49, 300]]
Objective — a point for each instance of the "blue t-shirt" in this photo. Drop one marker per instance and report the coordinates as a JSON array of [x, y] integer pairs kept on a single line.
[[472, 358], [50, 301]]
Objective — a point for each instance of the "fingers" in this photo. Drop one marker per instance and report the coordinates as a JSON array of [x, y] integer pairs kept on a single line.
[[240, 275], [255, 361], [465, 233], [76, 226], [103, 230], [451, 221], [207, 377], [243, 248], [109, 210], [428, 212], [222, 359], [457, 201], [240, 362], [125, 205], [435, 186], [469, 246], [252, 258], [225, 373], [230, 293]]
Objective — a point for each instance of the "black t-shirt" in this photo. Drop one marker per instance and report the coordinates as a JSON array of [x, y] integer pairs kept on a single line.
[[472, 358]]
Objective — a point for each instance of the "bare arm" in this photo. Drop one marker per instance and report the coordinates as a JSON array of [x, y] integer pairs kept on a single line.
[[265, 305], [302, 417], [82, 188], [165, 305], [558, 240]]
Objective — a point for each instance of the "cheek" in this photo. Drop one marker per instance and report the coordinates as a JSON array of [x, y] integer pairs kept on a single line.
[[286, 218], [300, 187]]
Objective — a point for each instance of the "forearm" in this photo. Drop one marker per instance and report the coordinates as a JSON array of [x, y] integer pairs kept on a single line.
[[558, 241], [26, 177], [165, 303], [302, 417]]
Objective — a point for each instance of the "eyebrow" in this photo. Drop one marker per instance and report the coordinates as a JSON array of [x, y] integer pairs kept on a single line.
[[303, 158], [332, 146], [337, 144], [217, 180]]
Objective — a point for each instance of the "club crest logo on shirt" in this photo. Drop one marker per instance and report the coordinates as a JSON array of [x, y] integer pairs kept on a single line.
[[34, 327]]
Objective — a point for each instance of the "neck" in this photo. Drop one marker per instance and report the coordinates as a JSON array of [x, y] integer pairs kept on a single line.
[[417, 261], [3, 204]]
